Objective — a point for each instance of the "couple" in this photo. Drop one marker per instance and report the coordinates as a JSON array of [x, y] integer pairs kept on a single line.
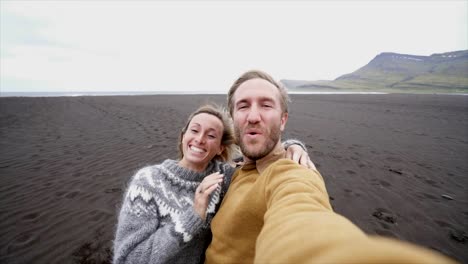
[[274, 211]]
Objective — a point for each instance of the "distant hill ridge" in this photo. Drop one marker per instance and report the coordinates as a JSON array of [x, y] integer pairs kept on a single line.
[[393, 72]]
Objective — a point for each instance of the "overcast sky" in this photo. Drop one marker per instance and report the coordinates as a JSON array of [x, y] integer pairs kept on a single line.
[[205, 45]]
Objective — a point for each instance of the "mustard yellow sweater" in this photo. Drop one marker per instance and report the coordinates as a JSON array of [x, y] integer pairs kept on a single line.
[[284, 216]]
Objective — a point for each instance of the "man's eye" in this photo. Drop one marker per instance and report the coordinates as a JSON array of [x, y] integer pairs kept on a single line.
[[267, 105]]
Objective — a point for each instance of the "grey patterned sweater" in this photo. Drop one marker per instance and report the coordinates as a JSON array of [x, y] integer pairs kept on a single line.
[[157, 221]]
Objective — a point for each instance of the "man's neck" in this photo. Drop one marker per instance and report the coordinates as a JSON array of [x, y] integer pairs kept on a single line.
[[275, 154]]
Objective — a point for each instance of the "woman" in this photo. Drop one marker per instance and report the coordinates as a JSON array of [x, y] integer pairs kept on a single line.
[[168, 207]]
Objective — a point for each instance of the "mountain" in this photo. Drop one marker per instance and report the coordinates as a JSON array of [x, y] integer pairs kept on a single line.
[[393, 72]]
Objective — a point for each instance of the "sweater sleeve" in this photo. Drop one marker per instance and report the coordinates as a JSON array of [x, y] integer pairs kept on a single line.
[[289, 142], [301, 227], [227, 170], [139, 237]]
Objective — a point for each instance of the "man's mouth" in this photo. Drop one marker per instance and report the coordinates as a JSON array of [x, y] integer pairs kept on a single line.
[[253, 132]]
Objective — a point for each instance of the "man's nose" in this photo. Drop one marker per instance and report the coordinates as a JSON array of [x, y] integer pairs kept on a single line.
[[253, 115]]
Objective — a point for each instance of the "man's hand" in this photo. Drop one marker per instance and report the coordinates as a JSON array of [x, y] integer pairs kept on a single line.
[[297, 154]]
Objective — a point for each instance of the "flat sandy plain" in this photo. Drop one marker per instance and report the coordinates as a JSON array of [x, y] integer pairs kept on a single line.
[[395, 164]]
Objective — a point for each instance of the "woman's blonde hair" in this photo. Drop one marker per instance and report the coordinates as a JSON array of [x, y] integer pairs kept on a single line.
[[227, 140]]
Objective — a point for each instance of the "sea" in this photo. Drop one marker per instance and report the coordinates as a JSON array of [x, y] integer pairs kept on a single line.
[[127, 93]]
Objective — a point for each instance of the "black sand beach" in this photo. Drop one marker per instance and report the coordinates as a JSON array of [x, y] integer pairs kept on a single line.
[[396, 165]]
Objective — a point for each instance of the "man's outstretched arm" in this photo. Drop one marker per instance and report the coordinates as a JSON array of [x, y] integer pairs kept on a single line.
[[301, 227]]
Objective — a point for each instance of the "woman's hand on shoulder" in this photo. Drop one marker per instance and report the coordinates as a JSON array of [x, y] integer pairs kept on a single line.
[[203, 191], [297, 154]]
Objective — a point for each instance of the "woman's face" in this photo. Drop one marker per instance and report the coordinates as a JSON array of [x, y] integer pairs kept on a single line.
[[202, 141]]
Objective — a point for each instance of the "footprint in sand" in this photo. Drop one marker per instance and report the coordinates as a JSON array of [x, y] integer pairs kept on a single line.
[[432, 183], [442, 223], [317, 153], [37, 168], [22, 240], [59, 194], [395, 171], [385, 225], [393, 159], [374, 182], [384, 215], [384, 183], [30, 217], [72, 194], [458, 236], [113, 190], [99, 216], [429, 196], [384, 233], [336, 156]]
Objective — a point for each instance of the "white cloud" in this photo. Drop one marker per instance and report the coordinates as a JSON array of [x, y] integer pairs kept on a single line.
[[146, 45]]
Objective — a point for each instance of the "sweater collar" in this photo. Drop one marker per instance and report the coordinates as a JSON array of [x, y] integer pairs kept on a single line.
[[186, 174], [261, 164]]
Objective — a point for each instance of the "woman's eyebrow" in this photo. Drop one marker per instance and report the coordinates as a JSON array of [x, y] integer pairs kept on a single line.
[[208, 129]]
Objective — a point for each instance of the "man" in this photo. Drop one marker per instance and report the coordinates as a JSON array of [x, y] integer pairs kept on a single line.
[[277, 211]]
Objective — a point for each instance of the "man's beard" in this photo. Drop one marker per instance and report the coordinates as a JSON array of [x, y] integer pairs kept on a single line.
[[271, 140]]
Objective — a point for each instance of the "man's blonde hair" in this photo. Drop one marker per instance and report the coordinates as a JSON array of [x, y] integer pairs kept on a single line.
[[256, 74]]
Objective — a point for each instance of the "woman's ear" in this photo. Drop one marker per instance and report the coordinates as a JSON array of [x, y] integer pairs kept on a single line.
[[221, 149]]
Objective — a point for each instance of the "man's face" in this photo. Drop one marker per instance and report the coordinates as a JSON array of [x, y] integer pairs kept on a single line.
[[258, 118]]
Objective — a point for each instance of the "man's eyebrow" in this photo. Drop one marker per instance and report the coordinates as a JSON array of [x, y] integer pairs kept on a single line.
[[242, 101], [263, 98]]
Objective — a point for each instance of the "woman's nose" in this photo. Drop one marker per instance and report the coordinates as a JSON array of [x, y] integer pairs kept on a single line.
[[200, 138]]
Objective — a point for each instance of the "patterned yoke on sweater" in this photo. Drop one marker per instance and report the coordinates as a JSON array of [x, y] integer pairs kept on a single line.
[[157, 221]]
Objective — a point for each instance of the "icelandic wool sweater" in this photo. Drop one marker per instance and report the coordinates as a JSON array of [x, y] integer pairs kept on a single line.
[[157, 222], [283, 215]]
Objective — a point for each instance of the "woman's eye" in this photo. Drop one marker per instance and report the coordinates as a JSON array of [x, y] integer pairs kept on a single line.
[[194, 130], [211, 136]]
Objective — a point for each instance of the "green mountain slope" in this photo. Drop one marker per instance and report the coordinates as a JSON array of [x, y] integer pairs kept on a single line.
[[393, 72]]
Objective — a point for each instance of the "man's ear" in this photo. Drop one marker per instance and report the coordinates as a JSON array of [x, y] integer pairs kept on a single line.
[[284, 120]]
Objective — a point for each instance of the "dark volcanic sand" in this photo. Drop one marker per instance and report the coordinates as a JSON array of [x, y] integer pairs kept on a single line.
[[386, 159]]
